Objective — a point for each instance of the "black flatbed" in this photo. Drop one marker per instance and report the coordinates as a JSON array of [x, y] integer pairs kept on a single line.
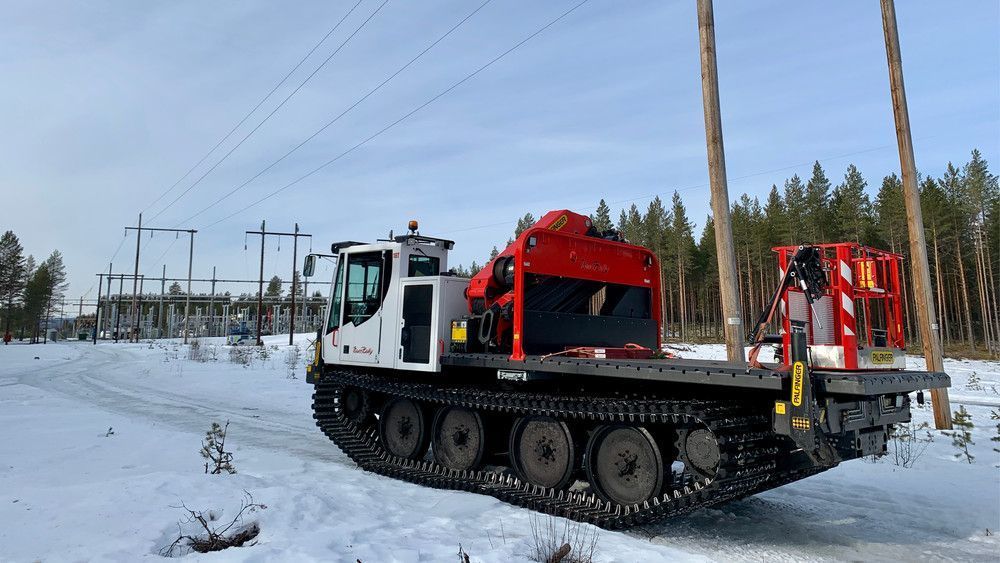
[[706, 372]]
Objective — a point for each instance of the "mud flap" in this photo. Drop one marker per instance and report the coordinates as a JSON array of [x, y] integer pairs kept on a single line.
[[798, 417]]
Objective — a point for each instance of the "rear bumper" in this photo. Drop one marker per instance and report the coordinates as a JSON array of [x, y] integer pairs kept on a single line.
[[837, 416]]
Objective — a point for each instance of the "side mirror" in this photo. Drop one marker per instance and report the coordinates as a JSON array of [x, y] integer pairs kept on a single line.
[[309, 268]]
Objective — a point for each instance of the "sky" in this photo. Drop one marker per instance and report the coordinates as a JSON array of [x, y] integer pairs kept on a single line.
[[105, 105]]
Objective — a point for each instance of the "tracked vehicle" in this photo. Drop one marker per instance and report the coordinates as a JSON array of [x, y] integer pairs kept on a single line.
[[542, 382]]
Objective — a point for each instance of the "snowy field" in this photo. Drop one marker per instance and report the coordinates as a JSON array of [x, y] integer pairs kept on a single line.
[[99, 446]]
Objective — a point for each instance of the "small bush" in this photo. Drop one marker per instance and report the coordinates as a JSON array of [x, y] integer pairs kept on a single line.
[[214, 450], [570, 543]]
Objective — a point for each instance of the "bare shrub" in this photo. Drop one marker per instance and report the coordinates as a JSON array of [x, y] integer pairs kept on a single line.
[[210, 535], [242, 355], [214, 450], [909, 441], [292, 359], [570, 543], [195, 351]]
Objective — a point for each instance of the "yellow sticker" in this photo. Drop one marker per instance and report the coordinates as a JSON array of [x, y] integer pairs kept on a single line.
[[559, 223], [458, 333], [882, 357], [798, 375], [779, 407]]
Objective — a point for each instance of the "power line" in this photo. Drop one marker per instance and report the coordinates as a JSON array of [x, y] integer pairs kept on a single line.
[[255, 108], [342, 114], [405, 116], [275, 110]]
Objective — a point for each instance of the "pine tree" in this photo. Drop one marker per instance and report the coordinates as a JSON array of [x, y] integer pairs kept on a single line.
[[630, 225], [37, 293], [273, 287], [961, 436], [57, 274], [995, 415], [175, 289], [775, 221], [817, 201], [213, 449], [683, 247], [523, 224], [850, 209], [494, 253], [890, 215], [601, 219], [12, 278], [795, 211]]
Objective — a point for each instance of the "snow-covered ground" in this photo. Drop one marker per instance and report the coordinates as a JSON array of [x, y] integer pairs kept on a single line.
[[70, 491]]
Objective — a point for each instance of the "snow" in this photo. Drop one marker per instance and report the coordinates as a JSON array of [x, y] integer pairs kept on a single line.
[[70, 492]]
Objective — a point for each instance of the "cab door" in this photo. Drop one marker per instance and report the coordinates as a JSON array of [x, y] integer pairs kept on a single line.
[[365, 284]]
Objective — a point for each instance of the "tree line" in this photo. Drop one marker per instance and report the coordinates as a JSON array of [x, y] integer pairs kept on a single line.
[[961, 211], [30, 293]]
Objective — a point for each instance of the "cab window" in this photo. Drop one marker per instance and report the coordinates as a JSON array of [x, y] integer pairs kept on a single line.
[[364, 286], [337, 295], [424, 266]]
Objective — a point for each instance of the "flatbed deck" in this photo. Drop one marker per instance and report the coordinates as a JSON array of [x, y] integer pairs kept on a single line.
[[706, 372]]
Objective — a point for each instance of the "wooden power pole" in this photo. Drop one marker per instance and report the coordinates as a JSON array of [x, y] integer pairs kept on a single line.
[[920, 269], [725, 250]]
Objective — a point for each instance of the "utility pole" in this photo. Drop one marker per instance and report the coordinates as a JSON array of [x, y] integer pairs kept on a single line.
[[260, 290], [725, 252], [107, 302], [98, 315], [291, 311], [160, 325], [118, 310], [187, 301], [139, 229], [211, 305], [135, 284], [263, 232], [920, 269]]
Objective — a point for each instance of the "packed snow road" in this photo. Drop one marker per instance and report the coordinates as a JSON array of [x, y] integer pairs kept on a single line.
[[99, 447]]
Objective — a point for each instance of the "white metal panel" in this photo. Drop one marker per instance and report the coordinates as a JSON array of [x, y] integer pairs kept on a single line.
[[449, 303]]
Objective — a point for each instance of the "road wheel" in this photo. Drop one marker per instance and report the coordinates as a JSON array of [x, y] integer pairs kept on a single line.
[[459, 439], [356, 405], [403, 429], [542, 451], [624, 464]]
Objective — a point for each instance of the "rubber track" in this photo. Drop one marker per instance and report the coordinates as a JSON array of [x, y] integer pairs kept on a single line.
[[750, 460]]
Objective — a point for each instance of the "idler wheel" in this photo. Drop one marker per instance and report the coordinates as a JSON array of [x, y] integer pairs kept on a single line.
[[542, 451], [355, 405], [624, 464], [402, 428], [459, 440], [701, 450]]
